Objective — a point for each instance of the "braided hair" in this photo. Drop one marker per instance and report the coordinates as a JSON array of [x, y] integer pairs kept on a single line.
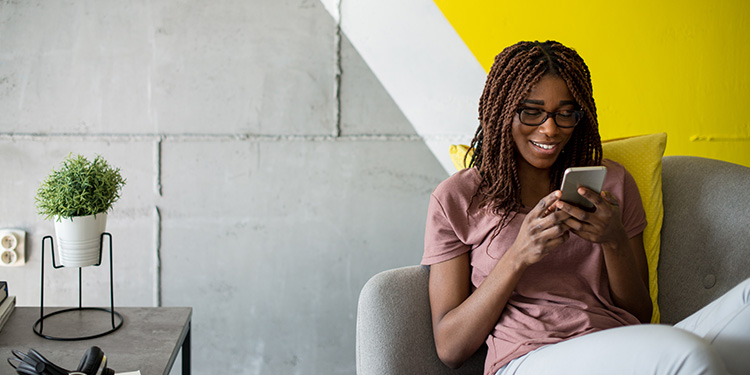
[[514, 73]]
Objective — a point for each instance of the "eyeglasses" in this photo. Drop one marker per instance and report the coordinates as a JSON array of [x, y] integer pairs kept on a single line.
[[535, 117]]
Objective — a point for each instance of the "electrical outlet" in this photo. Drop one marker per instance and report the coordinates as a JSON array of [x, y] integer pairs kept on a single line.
[[12, 247]]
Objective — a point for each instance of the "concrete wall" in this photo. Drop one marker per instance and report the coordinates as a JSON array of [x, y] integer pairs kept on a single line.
[[262, 190]]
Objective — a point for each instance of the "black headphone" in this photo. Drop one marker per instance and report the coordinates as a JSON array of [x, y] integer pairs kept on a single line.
[[94, 362]]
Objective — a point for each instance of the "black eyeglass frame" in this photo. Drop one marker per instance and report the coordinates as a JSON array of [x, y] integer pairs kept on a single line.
[[578, 113]]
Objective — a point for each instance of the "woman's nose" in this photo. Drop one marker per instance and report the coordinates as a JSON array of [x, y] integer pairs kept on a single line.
[[549, 127]]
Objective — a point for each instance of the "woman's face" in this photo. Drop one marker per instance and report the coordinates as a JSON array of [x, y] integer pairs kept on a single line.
[[539, 146]]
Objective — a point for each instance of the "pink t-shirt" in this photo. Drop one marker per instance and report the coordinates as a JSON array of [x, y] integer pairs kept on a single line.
[[564, 295]]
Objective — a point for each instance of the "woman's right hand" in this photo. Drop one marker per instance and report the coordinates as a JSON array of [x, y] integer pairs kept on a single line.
[[542, 231]]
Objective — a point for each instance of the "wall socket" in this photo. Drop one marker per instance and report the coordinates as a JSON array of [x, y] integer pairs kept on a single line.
[[12, 247]]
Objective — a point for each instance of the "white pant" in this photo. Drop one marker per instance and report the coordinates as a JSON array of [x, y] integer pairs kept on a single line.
[[714, 340]]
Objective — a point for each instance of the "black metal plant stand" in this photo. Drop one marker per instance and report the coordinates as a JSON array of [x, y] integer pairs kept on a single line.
[[39, 324]]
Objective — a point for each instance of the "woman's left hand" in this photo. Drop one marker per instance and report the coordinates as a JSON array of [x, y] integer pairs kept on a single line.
[[604, 225]]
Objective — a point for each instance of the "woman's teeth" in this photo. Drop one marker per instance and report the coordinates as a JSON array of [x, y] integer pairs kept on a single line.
[[540, 145]]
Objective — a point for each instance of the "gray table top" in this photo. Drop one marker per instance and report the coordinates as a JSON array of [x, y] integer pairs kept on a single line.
[[149, 339]]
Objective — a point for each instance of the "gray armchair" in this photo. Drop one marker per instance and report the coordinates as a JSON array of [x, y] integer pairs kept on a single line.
[[705, 250]]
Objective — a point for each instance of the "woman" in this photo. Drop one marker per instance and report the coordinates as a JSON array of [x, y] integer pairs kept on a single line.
[[540, 281]]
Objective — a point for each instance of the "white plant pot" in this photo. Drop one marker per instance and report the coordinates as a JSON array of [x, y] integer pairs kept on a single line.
[[78, 239]]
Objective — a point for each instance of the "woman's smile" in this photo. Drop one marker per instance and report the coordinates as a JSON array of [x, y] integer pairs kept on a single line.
[[546, 147]]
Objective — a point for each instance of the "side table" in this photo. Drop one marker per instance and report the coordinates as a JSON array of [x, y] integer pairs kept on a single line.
[[149, 340]]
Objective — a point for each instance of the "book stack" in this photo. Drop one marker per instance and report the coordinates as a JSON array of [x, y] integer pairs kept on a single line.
[[7, 303]]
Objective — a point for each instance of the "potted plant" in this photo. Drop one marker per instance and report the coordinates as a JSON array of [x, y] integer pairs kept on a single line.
[[78, 196]]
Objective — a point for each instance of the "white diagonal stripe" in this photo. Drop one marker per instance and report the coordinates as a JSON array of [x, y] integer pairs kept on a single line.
[[421, 62]]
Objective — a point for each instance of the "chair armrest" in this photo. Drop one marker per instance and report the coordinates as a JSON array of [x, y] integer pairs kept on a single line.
[[394, 327]]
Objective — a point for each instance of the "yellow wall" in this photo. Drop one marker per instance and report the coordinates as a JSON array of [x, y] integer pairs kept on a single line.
[[680, 67]]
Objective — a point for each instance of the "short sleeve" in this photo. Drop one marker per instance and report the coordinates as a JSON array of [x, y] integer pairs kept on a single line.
[[441, 242]]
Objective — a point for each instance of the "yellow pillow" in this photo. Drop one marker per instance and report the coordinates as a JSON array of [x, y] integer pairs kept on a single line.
[[641, 156], [457, 153]]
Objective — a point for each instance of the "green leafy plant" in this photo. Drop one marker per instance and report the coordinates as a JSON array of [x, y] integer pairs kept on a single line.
[[79, 188]]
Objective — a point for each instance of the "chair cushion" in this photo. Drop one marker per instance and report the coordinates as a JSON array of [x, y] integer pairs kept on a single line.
[[705, 239]]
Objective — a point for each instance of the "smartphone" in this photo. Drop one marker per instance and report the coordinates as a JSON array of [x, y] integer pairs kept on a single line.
[[590, 177]]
